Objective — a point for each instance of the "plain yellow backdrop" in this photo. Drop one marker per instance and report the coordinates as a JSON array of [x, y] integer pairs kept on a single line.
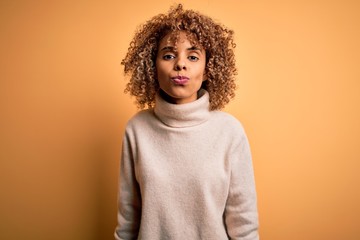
[[63, 112]]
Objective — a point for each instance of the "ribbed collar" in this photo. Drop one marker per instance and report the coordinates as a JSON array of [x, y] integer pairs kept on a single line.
[[183, 115]]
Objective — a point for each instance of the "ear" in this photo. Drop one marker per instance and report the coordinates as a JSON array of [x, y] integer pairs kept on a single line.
[[205, 77]]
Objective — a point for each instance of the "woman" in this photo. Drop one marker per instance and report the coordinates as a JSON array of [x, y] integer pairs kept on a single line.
[[186, 170]]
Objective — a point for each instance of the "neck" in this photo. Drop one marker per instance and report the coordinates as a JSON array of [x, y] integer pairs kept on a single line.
[[174, 100], [183, 115]]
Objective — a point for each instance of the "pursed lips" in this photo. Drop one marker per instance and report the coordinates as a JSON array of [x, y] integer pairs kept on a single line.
[[180, 79]]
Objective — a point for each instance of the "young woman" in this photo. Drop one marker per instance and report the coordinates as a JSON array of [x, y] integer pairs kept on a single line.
[[186, 170]]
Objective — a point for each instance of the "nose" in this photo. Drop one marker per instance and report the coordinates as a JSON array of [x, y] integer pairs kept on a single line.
[[180, 65]]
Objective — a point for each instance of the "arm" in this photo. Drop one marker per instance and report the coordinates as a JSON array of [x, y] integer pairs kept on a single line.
[[241, 217], [129, 198]]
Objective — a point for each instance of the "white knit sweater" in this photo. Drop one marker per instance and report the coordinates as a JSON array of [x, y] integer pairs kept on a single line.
[[186, 173]]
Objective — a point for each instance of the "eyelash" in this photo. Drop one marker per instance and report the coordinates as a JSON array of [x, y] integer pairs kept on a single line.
[[193, 58], [170, 56]]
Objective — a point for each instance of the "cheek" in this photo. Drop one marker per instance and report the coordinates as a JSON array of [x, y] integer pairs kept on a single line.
[[161, 70], [202, 71]]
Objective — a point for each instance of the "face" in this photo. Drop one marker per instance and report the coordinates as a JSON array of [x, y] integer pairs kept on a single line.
[[180, 69]]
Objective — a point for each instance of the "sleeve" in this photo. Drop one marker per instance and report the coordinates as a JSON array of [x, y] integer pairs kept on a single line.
[[241, 216], [129, 198]]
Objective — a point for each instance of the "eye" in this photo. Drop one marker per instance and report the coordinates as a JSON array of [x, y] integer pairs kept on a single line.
[[168, 57], [193, 58]]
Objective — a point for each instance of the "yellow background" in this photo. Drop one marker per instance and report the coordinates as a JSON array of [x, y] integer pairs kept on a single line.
[[63, 111]]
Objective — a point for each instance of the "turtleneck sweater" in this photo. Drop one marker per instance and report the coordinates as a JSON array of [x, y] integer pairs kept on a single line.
[[186, 173]]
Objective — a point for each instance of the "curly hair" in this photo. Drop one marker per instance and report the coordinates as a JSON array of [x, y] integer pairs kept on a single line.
[[216, 39]]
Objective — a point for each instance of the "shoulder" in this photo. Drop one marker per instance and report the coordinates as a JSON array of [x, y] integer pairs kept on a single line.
[[140, 119], [227, 121], [229, 126]]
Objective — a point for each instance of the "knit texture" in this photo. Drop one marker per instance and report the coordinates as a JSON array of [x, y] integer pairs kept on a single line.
[[186, 173]]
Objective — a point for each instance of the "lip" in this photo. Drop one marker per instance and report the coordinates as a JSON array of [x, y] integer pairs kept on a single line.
[[180, 80]]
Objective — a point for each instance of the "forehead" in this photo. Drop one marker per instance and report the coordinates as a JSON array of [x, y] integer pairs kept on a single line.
[[174, 38]]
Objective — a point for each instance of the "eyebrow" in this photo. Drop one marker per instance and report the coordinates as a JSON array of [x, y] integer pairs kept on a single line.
[[170, 48]]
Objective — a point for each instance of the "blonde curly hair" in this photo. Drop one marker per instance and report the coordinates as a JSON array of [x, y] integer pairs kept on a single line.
[[216, 39]]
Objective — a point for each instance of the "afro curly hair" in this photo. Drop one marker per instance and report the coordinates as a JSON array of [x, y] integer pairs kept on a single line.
[[216, 39]]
